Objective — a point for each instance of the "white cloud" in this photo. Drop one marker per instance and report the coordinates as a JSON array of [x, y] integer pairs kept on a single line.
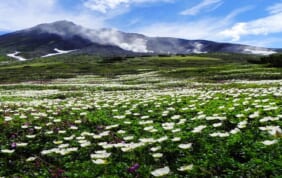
[[221, 29], [262, 26], [104, 6], [201, 6], [276, 8], [23, 14], [208, 28], [20, 14], [237, 12]]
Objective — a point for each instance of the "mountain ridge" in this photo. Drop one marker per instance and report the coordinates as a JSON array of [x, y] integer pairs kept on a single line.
[[42, 39]]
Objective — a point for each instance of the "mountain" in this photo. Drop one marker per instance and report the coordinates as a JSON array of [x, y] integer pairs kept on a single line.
[[66, 37]]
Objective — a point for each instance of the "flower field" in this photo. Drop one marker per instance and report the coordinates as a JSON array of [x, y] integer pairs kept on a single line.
[[137, 130]]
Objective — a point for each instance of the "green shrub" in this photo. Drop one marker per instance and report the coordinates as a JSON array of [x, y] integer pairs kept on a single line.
[[274, 59]]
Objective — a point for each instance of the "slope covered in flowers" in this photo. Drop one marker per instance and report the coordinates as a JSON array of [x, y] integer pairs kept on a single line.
[[116, 129]]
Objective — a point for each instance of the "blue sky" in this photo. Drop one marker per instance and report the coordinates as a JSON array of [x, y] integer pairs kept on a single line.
[[254, 22]]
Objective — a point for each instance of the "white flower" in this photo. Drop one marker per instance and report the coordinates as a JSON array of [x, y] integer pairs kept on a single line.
[[80, 138], [77, 121], [218, 134], [176, 130], [83, 114], [181, 121], [131, 146], [85, 144], [37, 128], [106, 133], [164, 138], [69, 138], [100, 161], [127, 122], [121, 132], [185, 146], [128, 138], [62, 131], [176, 139], [57, 120], [240, 115], [168, 125], [97, 136], [86, 134], [217, 124], [73, 127], [111, 126], [7, 118], [234, 131], [269, 142], [242, 124], [23, 117], [100, 155], [268, 118], [24, 126], [119, 117], [147, 140], [153, 130], [175, 117], [63, 145], [145, 117], [276, 131], [254, 115], [160, 172], [198, 129], [30, 136], [157, 155], [45, 152], [149, 128], [7, 151], [154, 149], [30, 159], [21, 144], [49, 132], [186, 168], [57, 142]]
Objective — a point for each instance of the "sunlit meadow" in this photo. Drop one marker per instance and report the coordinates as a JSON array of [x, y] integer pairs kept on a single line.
[[92, 126]]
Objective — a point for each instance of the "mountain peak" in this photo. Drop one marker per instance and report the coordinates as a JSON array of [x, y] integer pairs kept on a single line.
[[58, 23], [63, 28]]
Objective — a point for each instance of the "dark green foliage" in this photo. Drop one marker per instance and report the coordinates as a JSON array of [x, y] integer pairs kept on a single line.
[[274, 59]]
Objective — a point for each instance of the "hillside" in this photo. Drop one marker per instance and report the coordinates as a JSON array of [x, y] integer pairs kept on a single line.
[[42, 39], [204, 67]]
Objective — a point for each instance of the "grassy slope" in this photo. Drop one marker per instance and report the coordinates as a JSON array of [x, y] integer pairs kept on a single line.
[[4, 59], [214, 68]]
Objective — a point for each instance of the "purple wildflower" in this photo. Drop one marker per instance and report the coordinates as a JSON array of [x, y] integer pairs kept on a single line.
[[133, 168], [14, 135], [13, 145]]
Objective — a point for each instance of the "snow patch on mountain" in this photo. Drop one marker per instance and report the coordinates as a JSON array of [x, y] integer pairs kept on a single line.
[[15, 56], [58, 52]]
